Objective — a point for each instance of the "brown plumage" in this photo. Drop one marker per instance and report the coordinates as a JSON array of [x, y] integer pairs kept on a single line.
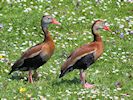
[[39, 54], [86, 55]]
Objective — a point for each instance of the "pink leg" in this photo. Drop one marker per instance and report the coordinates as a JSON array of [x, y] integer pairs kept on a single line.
[[87, 85], [82, 79], [30, 77]]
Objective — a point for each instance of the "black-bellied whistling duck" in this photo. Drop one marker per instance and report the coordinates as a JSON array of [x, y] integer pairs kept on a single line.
[[39, 54], [86, 55]]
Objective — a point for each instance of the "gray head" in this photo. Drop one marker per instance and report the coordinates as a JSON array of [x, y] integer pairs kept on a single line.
[[100, 24], [48, 20]]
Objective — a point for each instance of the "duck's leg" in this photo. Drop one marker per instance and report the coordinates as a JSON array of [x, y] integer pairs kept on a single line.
[[82, 79], [30, 77]]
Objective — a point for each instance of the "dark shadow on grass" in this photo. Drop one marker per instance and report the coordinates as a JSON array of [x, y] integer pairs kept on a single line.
[[18, 78], [75, 80]]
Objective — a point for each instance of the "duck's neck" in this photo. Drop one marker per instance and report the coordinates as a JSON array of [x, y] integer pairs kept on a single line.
[[96, 34], [47, 36]]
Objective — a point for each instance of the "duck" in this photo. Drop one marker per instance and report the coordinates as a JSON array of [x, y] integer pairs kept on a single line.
[[37, 55], [86, 55]]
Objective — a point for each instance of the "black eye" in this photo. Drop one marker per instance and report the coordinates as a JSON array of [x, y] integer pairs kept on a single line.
[[49, 18]]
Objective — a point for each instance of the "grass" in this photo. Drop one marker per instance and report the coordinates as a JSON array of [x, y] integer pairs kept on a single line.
[[112, 73]]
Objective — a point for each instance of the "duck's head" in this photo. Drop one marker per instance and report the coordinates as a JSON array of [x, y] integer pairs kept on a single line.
[[49, 20], [100, 24]]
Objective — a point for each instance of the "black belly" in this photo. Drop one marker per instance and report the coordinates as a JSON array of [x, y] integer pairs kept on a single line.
[[84, 62], [32, 63]]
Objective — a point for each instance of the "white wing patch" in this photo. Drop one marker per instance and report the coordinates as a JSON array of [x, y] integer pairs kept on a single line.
[[34, 54]]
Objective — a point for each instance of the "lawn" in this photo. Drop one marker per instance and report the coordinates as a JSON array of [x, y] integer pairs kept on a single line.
[[20, 29]]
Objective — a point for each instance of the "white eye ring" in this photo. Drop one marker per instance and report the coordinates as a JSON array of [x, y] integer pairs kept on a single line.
[[106, 24]]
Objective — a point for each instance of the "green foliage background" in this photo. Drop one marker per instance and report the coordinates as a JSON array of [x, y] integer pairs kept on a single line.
[[112, 73]]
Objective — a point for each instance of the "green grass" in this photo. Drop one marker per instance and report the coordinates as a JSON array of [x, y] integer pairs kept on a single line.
[[115, 65]]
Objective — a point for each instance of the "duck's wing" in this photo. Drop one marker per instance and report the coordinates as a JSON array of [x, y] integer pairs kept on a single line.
[[77, 55], [30, 53]]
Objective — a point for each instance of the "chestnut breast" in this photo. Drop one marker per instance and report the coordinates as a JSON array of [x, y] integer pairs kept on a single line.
[[99, 49], [47, 50]]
